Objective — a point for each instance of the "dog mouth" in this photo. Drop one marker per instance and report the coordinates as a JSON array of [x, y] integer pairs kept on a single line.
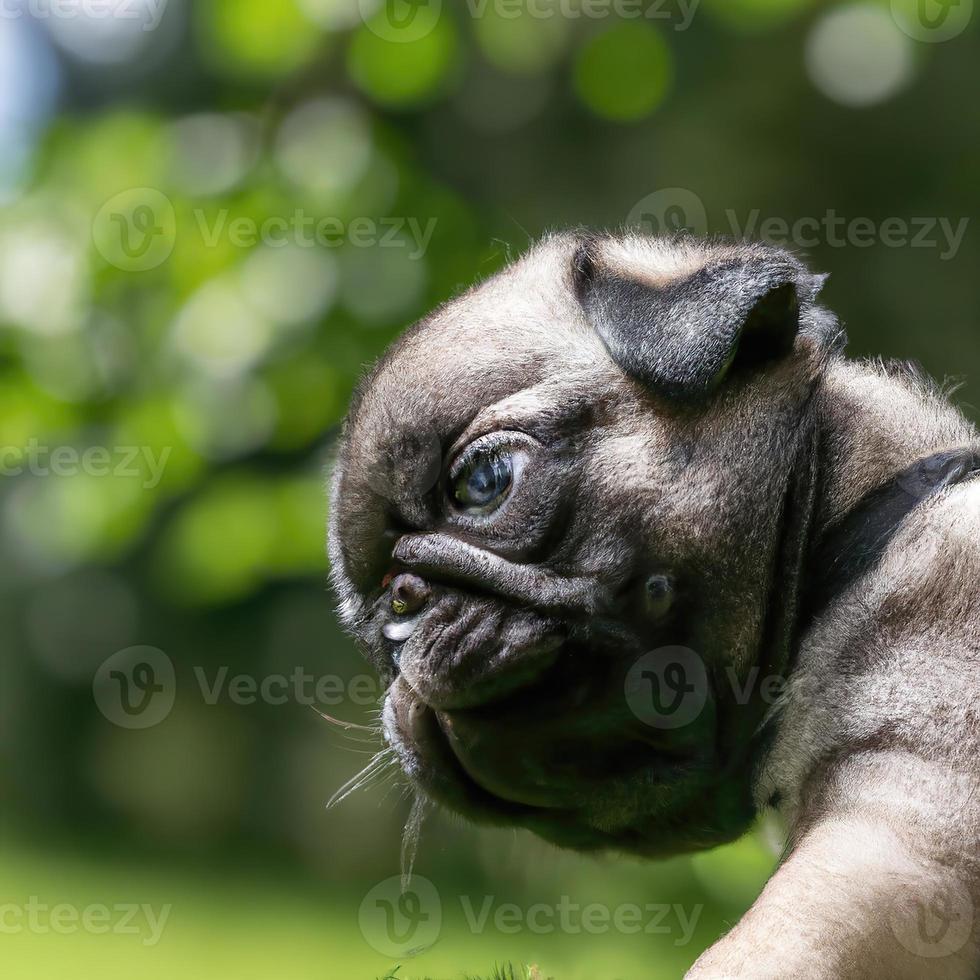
[[540, 757], [520, 715]]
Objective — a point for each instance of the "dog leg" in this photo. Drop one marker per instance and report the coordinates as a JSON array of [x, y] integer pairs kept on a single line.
[[858, 900]]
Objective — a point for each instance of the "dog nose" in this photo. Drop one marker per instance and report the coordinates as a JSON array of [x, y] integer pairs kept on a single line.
[[409, 594]]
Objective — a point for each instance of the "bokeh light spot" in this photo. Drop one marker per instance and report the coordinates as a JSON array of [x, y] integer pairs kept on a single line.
[[403, 74], [526, 44], [301, 511], [856, 55], [77, 517], [256, 36], [324, 145], [43, 278], [225, 419], [219, 332], [623, 73], [29, 84], [108, 33], [213, 152], [219, 546], [290, 285], [332, 15], [152, 423]]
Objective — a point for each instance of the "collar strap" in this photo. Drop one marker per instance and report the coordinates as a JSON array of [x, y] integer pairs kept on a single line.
[[854, 545]]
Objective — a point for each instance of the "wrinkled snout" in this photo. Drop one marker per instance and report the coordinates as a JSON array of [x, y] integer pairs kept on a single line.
[[460, 650]]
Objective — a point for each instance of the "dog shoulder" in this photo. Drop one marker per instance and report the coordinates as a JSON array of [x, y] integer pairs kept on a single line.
[[891, 666], [930, 572]]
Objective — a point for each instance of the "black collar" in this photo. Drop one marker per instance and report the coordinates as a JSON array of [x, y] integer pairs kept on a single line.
[[851, 547]]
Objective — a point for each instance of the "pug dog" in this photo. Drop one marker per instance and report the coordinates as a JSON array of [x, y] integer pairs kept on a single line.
[[642, 555]]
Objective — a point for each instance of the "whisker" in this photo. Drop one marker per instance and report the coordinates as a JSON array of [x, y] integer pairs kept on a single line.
[[361, 748], [410, 838], [376, 767], [346, 726]]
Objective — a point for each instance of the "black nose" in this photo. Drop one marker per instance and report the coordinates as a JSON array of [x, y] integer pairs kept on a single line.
[[409, 594]]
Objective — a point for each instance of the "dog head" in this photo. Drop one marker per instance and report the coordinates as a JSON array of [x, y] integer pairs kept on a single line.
[[589, 458]]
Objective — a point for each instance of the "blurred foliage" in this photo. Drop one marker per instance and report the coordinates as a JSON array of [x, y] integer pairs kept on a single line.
[[227, 355]]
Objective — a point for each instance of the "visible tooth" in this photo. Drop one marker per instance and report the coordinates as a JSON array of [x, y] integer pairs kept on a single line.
[[400, 630]]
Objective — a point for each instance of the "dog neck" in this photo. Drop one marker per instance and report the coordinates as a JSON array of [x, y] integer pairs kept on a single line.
[[878, 443], [876, 423], [886, 443]]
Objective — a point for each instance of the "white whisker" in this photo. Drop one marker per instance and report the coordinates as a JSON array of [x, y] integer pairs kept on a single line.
[[347, 726], [410, 838], [379, 765]]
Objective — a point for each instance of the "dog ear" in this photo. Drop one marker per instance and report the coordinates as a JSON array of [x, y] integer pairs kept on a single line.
[[681, 315]]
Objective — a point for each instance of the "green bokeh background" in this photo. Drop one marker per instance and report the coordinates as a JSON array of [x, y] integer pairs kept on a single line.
[[236, 359]]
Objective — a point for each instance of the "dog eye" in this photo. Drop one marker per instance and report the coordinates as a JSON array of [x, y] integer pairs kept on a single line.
[[482, 481]]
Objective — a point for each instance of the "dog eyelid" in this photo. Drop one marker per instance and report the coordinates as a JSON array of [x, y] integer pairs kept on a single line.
[[489, 443], [485, 426]]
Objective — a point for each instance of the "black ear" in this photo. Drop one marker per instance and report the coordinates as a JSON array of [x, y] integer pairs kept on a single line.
[[679, 315]]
